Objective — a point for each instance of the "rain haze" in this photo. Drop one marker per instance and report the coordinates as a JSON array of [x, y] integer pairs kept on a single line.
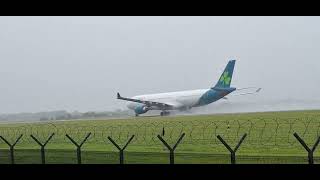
[[80, 63]]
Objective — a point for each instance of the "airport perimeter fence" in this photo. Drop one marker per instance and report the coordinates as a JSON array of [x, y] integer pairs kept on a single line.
[[272, 140]]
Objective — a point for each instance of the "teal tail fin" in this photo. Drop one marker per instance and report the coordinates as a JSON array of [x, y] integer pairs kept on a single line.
[[226, 76]]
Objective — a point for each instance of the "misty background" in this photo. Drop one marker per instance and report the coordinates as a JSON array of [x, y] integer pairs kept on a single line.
[[80, 63]]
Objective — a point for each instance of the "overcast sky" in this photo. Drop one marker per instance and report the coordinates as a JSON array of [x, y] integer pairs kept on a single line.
[[79, 63]]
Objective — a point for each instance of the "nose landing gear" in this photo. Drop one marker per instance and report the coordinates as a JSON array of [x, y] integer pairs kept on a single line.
[[164, 113]]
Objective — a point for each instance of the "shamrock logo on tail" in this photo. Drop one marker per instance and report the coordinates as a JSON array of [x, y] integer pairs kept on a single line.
[[225, 79]]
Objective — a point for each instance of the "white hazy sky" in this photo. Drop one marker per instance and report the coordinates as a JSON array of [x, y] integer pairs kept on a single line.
[[79, 63]]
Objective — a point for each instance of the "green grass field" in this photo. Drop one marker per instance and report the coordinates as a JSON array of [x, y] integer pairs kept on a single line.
[[269, 138]]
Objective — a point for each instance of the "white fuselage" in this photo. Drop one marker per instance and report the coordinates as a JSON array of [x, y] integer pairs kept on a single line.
[[179, 99], [183, 100]]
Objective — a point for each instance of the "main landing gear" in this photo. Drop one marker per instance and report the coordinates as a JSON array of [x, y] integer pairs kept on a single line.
[[164, 113]]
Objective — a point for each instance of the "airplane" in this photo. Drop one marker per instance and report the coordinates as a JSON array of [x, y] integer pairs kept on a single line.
[[185, 100]]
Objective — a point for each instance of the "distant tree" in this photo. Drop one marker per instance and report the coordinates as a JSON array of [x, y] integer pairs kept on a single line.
[[43, 119], [89, 114], [68, 116]]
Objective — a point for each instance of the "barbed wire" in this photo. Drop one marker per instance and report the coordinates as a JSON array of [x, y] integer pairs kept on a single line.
[[271, 132]]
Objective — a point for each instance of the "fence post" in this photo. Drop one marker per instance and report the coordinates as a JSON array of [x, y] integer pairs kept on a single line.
[[310, 151], [171, 150], [79, 145], [42, 146], [11, 146], [121, 150], [232, 151]]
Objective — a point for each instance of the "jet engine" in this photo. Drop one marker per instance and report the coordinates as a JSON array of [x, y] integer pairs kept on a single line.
[[141, 109]]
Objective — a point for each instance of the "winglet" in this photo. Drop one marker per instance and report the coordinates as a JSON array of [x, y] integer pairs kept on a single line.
[[258, 90], [118, 96]]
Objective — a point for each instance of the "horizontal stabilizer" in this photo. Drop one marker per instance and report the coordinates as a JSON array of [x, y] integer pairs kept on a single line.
[[246, 91]]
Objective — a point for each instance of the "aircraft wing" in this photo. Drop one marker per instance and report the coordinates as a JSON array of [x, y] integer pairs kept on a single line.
[[147, 103], [175, 104], [244, 91]]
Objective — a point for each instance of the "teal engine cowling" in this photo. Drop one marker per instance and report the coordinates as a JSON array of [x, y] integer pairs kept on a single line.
[[141, 109]]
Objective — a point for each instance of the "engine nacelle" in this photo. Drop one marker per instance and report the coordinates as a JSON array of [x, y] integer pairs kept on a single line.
[[141, 109]]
